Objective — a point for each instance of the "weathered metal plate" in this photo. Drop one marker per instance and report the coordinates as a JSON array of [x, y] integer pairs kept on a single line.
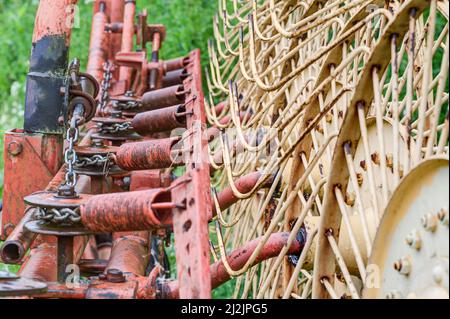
[[49, 199], [410, 252], [15, 286], [39, 227], [91, 150]]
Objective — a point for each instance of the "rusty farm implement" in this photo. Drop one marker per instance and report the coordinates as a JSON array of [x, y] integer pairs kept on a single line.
[[314, 166]]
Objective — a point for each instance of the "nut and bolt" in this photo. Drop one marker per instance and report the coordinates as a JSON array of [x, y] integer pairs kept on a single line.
[[394, 295], [443, 216], [403, 266], [15, 148], [115, 276], [430, 222], [414, 240], [97, 143]]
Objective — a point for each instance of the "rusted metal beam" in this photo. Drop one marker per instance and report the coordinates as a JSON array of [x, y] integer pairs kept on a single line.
[[48, 65], [99, 43], [127, 38], [190, 224]]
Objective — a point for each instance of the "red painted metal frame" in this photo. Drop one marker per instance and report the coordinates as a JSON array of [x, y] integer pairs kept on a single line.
[[31, 161], [190, 225]]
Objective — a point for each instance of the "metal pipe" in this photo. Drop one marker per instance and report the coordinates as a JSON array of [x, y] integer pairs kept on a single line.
[[238, 258], [126, 211], [130, 253], [161, 120], [175, 64], [245, 184], [152, 154], [99, 44], [162, 98], [127, 38], [175, 77], [17, 244], [48, 65]]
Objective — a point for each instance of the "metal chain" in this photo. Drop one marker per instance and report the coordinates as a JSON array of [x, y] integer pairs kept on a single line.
[[108, 68], [115, 128], [96, 160], [128, 105], [58, 216], [70, 156]]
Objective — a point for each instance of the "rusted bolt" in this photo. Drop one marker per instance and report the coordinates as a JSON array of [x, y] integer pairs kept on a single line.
[[401, 171], [375, 158], [363, 165], [403, 266], [430, 222], [414, 240], [350, 199], [97, 143], [443, 216], [15, 148], [394, 295], [115, 276], [319, 129], [360, 178], [390, 161]]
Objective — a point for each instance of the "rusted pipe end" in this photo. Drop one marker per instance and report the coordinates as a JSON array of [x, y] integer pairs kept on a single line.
[[126, 211], [12, 252]]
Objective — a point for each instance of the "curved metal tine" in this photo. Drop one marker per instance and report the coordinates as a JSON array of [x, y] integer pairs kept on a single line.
[[219, 39], [215, 69]]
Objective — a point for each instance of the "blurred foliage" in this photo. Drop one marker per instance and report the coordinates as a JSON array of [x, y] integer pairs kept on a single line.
[[188, 22]]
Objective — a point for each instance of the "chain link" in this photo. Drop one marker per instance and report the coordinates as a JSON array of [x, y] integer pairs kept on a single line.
[[129, 105], [70, 156], [115, 128], [96, 160], [108, 68]]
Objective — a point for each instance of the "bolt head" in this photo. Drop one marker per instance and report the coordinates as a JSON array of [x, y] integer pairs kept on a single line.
[[97, 143], [443, 216], [430, 222], [414, 240], [394, 295], [15, 148], [403, 265]]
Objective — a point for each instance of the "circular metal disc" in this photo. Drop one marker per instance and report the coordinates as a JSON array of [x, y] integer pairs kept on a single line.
[[14, 287], [110, 120], [410, 252], [49, 199], [7, 275], [112, 171], [111, 137], [91, 151], [40, 227]]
